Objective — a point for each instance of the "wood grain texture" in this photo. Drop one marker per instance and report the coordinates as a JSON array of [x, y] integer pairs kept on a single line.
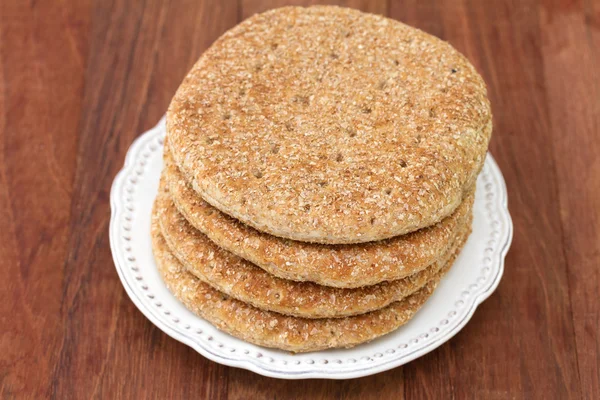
[[572, 76], [79, 80]]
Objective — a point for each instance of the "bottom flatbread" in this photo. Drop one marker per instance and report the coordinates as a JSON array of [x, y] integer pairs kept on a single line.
[[270, 329]]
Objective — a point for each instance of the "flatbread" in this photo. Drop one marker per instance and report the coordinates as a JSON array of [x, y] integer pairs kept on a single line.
[[269, 329], [246, 282], [325, 124], [345, 266]]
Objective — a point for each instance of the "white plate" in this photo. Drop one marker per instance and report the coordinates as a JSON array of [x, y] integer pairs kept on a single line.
[[473, 278]]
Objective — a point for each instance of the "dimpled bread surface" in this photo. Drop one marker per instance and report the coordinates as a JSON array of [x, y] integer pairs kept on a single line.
[[328, 125]]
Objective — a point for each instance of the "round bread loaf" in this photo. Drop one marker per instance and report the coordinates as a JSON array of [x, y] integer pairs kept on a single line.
[[328, 125]]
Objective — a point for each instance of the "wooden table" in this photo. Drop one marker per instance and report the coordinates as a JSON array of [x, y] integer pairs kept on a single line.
[[79, 80]]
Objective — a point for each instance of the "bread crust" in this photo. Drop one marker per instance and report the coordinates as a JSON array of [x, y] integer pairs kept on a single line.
[[270, 329], [250, 284], [328, 125], [344, 266]]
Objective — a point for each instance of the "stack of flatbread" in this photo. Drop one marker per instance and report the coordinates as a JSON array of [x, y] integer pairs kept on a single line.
[[319, 176]]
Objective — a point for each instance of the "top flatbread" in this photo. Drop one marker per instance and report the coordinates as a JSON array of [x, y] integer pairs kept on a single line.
[[329, 125]]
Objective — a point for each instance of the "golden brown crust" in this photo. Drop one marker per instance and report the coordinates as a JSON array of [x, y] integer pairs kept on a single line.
[[246, 282], [345, 266], [269, 329], [329, 125]]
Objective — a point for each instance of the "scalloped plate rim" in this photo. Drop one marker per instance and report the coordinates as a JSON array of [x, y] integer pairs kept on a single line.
[[279, 371]]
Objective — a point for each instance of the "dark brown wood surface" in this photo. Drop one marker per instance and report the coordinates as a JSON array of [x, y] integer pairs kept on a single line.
[[80, 79]]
